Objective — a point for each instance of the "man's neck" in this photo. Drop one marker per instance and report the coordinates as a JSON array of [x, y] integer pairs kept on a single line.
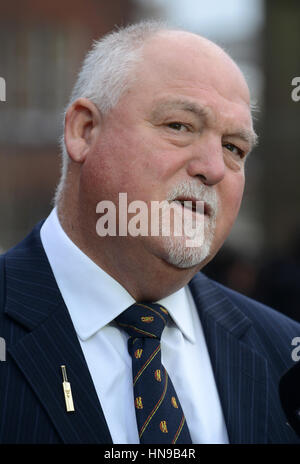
[[145, 276]]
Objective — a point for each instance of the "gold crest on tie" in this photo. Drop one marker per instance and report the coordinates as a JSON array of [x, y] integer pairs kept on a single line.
[[138, 402], [174, 402], [138, 353], [163, 310], [163, 426], [157, 375], [147, 319]]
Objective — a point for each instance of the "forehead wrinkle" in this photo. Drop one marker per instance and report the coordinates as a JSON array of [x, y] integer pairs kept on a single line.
[[204, 113], [200, 111]]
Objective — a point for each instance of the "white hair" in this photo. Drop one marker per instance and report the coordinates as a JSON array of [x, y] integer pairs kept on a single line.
[[106, 72]]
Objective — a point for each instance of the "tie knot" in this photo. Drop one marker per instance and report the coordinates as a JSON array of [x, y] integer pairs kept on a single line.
[[142, 320]]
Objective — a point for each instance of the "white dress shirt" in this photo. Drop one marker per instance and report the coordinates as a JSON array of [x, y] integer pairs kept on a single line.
[[94, 299]]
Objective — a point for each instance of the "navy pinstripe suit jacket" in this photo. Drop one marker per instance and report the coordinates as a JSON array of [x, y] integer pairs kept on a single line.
[[249, 345]]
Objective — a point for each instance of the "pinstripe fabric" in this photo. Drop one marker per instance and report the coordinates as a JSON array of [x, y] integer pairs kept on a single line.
[[249, 346], [40, 338]]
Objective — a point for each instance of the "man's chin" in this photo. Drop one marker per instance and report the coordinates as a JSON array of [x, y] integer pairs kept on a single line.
[[174, 251]]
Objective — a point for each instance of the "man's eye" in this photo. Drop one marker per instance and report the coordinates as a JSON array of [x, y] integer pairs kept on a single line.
[[234, 149], [178, 126]]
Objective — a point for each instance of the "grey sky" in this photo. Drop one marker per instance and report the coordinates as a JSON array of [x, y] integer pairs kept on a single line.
[[221, 19]]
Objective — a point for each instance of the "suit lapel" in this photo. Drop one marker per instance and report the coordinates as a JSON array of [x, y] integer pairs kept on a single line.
[[34, 300], [240, 372]]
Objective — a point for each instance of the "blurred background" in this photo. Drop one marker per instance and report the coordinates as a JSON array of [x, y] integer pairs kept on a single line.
[[41, 47]]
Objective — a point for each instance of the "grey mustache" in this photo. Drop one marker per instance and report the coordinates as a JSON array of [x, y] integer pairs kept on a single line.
[[199, 192]]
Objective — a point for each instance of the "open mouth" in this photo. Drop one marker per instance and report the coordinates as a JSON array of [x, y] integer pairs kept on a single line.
[[192, 204]]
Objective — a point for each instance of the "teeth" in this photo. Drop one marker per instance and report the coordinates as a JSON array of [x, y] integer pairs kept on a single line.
[[193, 207], [187, 203]]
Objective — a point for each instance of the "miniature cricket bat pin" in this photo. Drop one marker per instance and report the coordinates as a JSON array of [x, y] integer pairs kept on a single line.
[[67, 391]]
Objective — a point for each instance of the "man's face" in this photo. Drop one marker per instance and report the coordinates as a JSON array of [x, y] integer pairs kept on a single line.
[[185, 122]]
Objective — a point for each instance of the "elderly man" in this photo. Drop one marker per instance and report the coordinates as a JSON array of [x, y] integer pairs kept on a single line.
[[118, 338]]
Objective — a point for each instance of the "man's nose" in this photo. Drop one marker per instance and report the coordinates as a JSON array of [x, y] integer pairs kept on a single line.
[[207, 160]]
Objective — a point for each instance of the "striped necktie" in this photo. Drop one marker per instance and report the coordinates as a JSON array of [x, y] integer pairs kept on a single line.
[[160, 418]]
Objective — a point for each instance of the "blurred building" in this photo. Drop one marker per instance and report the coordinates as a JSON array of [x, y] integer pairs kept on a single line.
[[280, 139], [42, 46]]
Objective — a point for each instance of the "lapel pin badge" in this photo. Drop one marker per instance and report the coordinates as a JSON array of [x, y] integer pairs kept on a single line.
[[67, 391]]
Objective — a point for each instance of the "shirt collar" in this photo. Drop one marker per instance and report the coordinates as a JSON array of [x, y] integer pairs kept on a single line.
[[93, 297], [179, 308]]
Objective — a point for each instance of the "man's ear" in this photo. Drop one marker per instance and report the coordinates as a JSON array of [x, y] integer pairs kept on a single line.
[[82, 122]]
